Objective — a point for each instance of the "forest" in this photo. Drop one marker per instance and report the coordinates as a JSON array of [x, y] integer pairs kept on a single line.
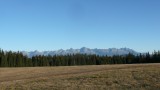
[[17, 59]]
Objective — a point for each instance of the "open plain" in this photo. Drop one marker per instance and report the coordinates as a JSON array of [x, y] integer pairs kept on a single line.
[[100, 77]]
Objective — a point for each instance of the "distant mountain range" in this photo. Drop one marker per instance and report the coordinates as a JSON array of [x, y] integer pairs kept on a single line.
[[83, 50]]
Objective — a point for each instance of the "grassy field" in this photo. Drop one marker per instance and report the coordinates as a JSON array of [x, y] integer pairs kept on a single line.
[[102, 77]]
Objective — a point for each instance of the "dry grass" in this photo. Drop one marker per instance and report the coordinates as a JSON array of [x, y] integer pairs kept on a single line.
[[103, 77]]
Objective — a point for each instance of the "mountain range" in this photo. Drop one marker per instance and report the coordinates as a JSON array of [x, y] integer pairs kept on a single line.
[[83, 50]]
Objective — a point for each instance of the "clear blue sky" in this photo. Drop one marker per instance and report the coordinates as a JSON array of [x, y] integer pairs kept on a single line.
[[55, 24]]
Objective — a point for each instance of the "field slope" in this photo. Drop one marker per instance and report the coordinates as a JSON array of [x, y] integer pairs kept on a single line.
[[102, 77]]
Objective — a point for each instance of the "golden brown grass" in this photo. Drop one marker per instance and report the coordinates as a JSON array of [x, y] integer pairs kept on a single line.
[[102, 77]]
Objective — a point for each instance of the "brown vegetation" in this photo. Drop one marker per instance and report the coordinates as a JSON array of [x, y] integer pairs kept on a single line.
[[102, 77]]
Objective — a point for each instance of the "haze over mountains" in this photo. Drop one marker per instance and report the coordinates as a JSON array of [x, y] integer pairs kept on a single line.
[[83, 50]]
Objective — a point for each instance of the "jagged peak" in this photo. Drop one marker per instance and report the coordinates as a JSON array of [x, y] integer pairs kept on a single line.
[[109, 51]]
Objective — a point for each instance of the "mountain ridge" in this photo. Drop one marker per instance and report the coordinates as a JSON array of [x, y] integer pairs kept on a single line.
[[83, 50]]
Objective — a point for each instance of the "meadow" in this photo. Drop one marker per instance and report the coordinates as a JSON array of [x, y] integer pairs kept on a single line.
[[93, 77]]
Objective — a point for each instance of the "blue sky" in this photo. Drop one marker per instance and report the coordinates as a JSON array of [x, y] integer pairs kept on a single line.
[[62, 24]]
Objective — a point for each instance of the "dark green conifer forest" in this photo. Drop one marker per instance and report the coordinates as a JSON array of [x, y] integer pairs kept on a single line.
[[17, 59]]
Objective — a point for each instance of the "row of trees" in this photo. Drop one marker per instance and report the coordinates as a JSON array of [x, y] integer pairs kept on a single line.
[[17, 59]]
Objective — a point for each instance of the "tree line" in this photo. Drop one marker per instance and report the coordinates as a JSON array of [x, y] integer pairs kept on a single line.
[[17, 59]]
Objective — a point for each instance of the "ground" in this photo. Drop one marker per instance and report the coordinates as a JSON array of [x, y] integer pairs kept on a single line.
[[101, 77]]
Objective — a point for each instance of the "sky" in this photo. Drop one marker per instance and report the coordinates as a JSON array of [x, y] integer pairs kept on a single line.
[[62, 24]]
